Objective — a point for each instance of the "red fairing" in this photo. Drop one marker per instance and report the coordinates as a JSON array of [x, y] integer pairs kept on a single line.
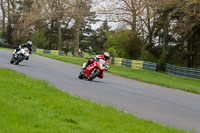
[[107, 61], [88, 69]]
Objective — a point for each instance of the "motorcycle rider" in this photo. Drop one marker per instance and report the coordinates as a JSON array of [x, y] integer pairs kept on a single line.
[[105, 56], [25, 45]]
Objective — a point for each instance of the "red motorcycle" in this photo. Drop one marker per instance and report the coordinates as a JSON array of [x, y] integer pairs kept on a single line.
[[94, 70]]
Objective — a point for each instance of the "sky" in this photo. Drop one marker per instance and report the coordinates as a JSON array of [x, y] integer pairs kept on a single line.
[[97, 5]]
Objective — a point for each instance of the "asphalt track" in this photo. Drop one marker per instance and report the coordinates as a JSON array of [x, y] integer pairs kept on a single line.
[[162, 105]]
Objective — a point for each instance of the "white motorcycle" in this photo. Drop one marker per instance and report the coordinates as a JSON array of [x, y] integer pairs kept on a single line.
[[22, 54]]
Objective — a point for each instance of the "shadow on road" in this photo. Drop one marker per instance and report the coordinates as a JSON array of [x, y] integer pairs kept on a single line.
[[21, 65], [93, 81]]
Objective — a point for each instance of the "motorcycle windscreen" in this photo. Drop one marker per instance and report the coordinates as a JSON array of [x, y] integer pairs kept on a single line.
[[102, 64]]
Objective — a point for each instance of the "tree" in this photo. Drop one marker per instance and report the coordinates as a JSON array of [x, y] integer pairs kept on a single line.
[[163, 30], [81, 12], [98, 38], [186, 16], [148, 25], [139, 15], [58, 11], [3, 17], [28, 13], [127, 12]]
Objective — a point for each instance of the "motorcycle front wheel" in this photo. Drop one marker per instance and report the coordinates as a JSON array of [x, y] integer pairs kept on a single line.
[[93, 75], [12, 60], [19, 59], [80, 75]]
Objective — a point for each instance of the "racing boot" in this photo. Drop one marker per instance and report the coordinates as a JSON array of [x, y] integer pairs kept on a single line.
[[84, 66], [82, 70], [101, 76], [26, 58]]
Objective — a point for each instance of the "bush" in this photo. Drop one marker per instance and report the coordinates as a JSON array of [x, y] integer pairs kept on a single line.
[[161, 64], [124, 44], [112, 51], [39, 41]]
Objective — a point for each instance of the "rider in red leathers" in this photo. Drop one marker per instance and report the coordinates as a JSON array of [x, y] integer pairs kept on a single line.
[[105, 56]]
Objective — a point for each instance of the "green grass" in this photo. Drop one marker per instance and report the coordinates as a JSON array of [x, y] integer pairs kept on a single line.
[[84, 54], [6, 48], [158, 78], [31, 106], [69, 59]]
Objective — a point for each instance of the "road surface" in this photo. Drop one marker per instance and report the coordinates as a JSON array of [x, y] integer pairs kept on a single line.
[[162, 105]]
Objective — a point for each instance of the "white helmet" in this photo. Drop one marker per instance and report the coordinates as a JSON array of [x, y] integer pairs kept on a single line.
[[29, 43], [106, 55]]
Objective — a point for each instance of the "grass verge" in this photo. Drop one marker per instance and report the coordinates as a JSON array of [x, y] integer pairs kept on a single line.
[[6, 48], [31, 106], [158, 78]]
